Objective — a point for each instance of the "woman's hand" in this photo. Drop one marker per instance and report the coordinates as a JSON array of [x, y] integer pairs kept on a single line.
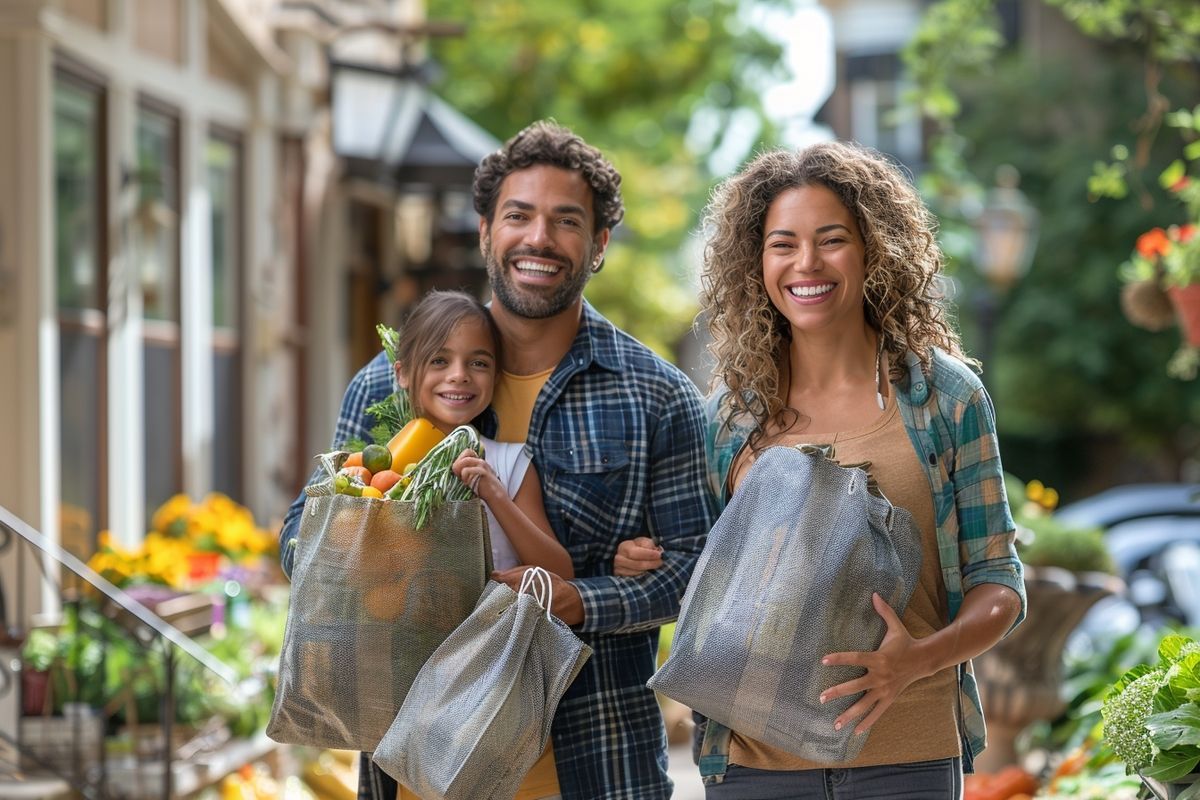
[[635, 556], [477, 474], [890, 669]]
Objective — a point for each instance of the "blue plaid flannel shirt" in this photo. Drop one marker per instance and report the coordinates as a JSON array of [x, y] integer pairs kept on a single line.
[[951, 424], [617, 437]]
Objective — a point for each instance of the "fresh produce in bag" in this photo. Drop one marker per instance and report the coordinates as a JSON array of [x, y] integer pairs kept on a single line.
[[377, 584]]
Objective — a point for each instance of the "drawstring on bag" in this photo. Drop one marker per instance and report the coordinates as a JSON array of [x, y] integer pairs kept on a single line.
[[537, 583]]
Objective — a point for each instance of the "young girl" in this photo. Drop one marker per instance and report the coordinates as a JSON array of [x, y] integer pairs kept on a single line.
[[447, 359]]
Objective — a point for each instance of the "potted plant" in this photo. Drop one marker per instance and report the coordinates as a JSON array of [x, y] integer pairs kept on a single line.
[[1067, 571], [1152, 720], [1162, 275]]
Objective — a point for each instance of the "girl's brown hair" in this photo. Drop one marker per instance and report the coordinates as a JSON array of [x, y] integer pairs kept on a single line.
[[903, 300], [427, 328]]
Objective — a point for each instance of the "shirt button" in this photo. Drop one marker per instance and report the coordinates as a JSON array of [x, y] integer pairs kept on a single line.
[[933, 459], [920, 387]]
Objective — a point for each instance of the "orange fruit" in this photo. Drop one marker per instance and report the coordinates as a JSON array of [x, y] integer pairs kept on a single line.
[[385, 479], [362, 473], [385, 601], [376, 458], [353, 460]]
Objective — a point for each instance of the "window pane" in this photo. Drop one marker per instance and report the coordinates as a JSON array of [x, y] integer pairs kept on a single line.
[[155, 228], [162, 424], [79, 429], [223, 181], [227, 432], [76, 176]]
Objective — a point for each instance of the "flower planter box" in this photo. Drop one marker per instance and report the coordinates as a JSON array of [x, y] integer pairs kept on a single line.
[[71, 746]]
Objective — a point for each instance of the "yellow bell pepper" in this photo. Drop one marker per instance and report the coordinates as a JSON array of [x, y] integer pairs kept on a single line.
[[412, 442]]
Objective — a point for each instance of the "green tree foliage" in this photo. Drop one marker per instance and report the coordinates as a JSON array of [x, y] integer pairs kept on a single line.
[[629, 76], [1067, 367]]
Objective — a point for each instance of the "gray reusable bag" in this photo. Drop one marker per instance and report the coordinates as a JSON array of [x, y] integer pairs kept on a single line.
[[785, 578], [371, 599], [478, 715]]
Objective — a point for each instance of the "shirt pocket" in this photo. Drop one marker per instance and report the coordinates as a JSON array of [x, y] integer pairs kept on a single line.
[[585, 487]]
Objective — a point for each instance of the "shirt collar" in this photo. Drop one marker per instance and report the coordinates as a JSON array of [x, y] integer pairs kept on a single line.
[[596, 342], [914, 382]]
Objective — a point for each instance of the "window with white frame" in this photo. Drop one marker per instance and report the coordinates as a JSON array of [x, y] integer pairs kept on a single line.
[[223, 161], [156, 252], [80, 255]]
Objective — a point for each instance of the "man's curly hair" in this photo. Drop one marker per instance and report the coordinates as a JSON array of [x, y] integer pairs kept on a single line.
[[546, 142], [902, 259]]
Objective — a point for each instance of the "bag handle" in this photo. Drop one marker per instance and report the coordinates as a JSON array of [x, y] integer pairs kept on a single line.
[[538, 583]]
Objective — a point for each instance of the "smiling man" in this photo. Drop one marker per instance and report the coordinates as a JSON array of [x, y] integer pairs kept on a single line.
[[616, 434]]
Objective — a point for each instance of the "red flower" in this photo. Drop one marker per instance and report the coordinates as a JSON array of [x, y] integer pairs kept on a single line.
[[1185, 233], [1153, 243]]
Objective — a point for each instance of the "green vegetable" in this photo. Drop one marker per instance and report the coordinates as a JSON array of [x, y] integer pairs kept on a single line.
[[1152, 714], [394, 411], [1125, 714], [433, 480]]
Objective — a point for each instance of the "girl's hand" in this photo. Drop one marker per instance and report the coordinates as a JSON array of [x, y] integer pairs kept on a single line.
[[477, 474], [890, 669], [635, 556]]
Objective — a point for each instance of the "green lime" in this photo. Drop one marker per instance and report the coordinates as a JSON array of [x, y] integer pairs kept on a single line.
[[376, 458]]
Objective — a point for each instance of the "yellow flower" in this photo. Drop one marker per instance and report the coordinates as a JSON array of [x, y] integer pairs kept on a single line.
[[1050, 499], [1034, 491]]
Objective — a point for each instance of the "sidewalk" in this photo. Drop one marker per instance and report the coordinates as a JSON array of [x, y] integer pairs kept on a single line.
[[685, 774]]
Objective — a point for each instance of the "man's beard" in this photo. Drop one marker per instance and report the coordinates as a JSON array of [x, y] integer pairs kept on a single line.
[[527, 302]]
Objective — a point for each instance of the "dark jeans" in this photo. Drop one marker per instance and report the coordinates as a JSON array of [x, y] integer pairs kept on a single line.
[[374, 783], [924, 780]]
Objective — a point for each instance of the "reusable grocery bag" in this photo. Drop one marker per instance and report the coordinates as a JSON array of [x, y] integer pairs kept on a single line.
[[371, 599], [785, 578], [478, 715]]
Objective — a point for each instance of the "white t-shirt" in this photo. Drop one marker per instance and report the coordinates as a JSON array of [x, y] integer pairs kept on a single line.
[[511, 464]]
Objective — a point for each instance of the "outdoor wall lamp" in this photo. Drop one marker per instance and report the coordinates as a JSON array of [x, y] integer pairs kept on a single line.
[[1006, 232]]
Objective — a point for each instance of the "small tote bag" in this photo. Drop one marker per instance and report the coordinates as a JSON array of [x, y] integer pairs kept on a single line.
[[785, 578], [371, 599], [478, 715]]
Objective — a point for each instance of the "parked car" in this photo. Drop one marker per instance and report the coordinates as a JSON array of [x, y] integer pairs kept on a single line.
[[1153, 532]]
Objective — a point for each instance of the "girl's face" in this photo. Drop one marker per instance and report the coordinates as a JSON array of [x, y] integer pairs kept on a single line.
[[813, 260], [455, 385]]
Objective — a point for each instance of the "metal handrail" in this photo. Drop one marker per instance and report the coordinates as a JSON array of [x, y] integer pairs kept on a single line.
[[150, 628], [118, 596]]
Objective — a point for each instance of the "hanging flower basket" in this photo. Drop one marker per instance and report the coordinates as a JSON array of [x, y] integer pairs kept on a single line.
[[1186, 302]]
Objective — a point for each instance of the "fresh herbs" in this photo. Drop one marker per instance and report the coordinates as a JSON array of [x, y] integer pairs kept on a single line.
[[433, 481]]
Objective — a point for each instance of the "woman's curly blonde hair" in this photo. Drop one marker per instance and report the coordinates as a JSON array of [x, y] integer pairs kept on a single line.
[[903, 300]]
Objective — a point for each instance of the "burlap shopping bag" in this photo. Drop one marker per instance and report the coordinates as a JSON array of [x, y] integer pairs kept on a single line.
[[786, 577], [478, 715], [371, 599]]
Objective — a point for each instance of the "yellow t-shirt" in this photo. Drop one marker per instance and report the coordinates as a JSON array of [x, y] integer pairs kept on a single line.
[[930, 704], [513, 402]]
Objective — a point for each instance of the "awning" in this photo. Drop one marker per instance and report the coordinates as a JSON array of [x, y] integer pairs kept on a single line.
[[390, 126]]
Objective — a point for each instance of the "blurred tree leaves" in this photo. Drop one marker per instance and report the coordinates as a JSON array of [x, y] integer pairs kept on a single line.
[[1069, 367], [629, 76]]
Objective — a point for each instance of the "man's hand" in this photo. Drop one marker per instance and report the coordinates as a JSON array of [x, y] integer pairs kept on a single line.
[[635, 556], [567, 605], [890, 669]]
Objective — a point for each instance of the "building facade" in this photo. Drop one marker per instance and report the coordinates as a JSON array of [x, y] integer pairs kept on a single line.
[[195, 248]]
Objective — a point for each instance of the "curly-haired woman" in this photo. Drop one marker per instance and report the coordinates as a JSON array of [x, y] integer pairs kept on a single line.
[[822, 298]]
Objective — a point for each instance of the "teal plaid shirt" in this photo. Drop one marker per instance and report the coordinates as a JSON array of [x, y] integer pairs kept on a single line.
[[951, 424]]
